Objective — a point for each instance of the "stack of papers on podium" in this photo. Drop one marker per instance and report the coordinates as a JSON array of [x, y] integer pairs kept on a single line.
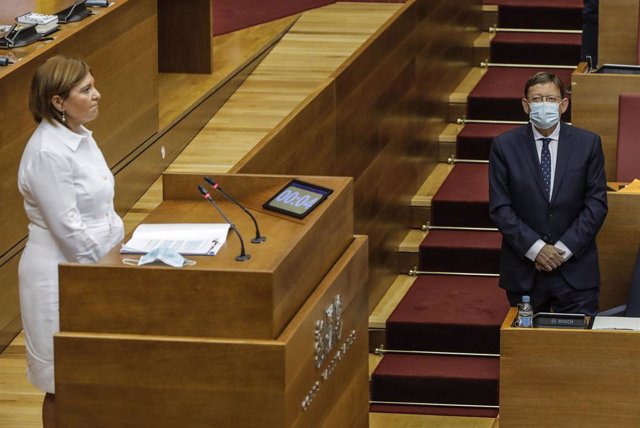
[[185, 238], [44, 23], [616, 323]]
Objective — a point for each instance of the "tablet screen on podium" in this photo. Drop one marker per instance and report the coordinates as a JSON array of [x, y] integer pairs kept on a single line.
[[297, 198]]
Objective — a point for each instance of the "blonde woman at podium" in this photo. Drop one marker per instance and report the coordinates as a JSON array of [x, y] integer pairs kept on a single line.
[[68, 194]]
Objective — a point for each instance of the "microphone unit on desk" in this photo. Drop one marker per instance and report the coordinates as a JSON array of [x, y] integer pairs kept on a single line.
[[97, 3], [259, 238], [242, 256], [76, 12]]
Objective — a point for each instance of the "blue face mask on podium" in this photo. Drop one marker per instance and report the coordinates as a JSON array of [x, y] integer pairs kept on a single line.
[[544, 115], [165, 255]]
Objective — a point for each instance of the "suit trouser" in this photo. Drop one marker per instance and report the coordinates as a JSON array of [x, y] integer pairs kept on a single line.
[[551, 292]]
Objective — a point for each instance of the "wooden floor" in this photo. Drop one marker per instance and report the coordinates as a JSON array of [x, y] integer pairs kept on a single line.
[[319, 41]]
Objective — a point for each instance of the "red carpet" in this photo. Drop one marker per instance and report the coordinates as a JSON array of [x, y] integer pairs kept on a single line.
[[474, 141], [459, 313], [536, 48], [231, 15], [499, 94], [436, 379], [449, 313], [556, 14], [426, 410], [461, 251], [463, 199]]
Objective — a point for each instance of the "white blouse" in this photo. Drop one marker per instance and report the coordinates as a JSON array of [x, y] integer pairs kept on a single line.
[[68, 188]]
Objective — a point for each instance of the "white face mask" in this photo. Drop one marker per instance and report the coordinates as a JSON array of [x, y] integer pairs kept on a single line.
[[544, 115], [165, 255]]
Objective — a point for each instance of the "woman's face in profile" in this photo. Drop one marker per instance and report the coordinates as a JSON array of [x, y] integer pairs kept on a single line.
[[81, 106]]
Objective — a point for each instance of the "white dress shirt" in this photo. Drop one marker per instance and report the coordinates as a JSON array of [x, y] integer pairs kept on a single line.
[[532, 253]]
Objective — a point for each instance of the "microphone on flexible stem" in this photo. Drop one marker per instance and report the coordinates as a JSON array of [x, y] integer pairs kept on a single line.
[[259, 238], [243, 256]]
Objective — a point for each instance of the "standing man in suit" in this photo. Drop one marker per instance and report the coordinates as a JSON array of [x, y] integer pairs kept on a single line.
[[548, 197]]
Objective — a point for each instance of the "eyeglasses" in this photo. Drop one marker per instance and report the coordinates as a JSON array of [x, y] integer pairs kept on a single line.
[[550, 99]]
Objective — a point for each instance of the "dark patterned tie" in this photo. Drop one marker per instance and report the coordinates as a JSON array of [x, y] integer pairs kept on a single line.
[[545, 166]]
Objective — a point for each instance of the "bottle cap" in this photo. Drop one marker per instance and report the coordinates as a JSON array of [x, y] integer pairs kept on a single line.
[[526, 299]]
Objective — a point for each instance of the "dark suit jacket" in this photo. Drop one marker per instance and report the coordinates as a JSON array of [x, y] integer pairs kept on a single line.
[[519, 207]]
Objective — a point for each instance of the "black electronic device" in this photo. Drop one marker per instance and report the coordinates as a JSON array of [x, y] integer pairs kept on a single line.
[[76, 12], [97, 3], [559, 320], [19, 35], [297, 199]]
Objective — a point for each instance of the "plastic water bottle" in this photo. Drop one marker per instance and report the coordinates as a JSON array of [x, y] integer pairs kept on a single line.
[[525, 313]]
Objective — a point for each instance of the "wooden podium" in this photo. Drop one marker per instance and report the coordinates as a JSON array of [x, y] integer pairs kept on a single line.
[[568, 378], [275, 341]]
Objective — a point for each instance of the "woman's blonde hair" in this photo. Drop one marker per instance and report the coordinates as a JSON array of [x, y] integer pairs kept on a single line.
[[57, 76]]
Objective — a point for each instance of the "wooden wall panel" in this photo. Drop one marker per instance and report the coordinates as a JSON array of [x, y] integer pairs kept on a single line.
[[576, 378], [383, 188], [303, 143], [140, 170], [595, 107], [369, 89], [10, 324], [618, 32], [125, 57], [185, 36], [390, 105]]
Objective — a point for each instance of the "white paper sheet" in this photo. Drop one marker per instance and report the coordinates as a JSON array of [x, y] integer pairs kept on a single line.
[[185, 238], [616, 323]]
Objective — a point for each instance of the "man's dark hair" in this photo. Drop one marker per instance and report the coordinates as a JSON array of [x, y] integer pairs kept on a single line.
[[543, 77]]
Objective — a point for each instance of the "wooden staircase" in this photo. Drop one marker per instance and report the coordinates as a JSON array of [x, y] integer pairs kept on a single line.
[[408, 250]]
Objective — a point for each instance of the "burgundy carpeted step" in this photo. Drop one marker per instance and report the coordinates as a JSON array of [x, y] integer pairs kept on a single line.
[[498, 95], [436, 379], [449, 313], [474, 141], [556, 14], [463, 199], [431, 410], [461, 251], [536, 48]]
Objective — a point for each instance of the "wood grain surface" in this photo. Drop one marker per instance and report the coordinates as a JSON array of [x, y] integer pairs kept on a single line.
[[196, 382], [586, 378], [261, 294]]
